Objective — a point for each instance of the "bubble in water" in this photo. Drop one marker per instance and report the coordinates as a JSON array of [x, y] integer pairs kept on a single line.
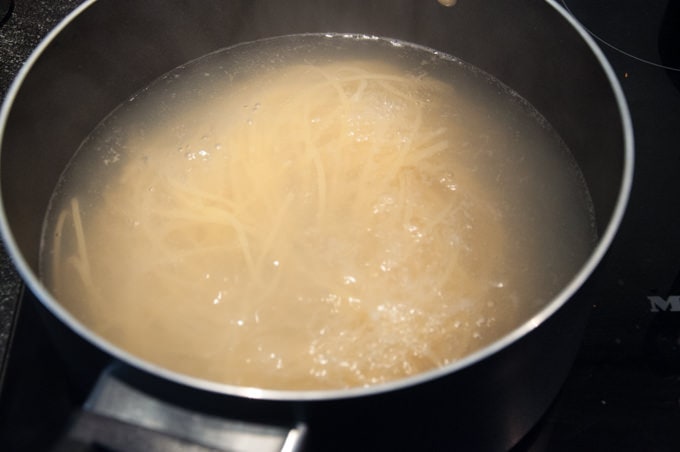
[[415, 231], [448, 182], [111, 157], [218, 298], [387, 265]]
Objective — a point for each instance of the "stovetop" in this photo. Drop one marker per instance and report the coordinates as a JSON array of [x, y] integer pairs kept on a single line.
[[623, 392]]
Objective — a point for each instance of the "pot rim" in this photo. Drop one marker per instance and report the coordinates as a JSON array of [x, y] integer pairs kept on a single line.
[[41, 292]]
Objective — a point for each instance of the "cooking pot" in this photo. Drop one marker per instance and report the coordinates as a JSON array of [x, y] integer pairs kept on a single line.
[[108, 49]]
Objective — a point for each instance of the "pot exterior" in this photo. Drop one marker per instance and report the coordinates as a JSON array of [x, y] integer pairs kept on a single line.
[[114, 48]]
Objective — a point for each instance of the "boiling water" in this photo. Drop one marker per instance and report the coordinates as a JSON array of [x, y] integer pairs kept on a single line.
[[315, 211]]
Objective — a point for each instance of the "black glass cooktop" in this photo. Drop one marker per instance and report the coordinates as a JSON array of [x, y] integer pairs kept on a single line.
[[623, 392]]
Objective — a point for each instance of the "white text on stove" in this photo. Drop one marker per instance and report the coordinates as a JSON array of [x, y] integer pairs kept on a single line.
[[672, 303]]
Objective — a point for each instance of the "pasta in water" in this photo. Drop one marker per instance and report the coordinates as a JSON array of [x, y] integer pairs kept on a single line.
[[314, 212]]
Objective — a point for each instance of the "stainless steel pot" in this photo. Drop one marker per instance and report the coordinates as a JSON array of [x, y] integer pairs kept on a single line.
[[108, 49]]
